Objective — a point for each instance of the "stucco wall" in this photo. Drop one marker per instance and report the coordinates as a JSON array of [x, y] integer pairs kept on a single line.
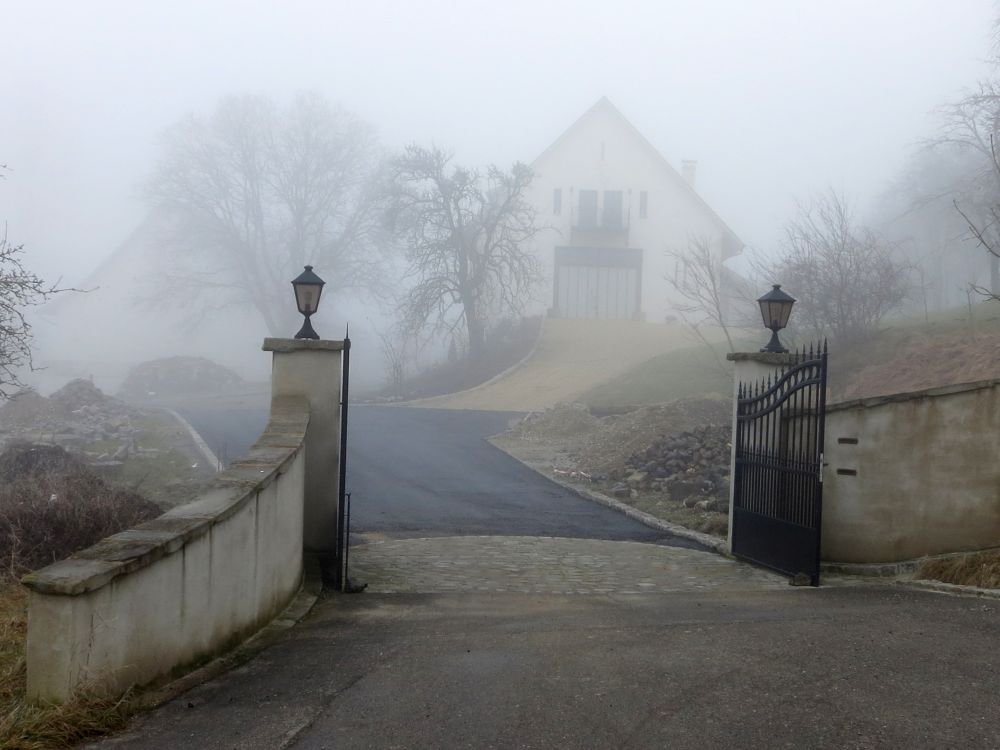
[[182, 587], [601, 152], [912, 474]]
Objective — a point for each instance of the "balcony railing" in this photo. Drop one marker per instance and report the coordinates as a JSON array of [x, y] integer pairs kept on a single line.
[[599, 229]]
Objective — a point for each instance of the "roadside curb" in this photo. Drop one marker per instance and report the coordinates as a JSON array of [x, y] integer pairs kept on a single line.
[[871, 570], [951, 588], [711, 543], [199, 441], [301, 604]]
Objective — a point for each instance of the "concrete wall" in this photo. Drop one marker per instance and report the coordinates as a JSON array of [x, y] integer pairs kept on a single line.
[[183, 587], [912, 474]]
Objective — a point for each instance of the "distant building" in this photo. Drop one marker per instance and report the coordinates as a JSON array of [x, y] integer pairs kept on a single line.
[[613, 206]]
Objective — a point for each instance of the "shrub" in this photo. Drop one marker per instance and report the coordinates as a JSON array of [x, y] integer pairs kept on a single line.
[[52, 506]]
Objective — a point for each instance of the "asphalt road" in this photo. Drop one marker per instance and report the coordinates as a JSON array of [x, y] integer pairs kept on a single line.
[[430, 472], [859, 667]]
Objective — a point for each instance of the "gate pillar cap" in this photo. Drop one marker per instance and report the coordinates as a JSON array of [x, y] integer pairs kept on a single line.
[[295, 345], [767, 358]]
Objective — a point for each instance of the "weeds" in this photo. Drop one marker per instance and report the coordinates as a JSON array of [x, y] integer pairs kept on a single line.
[[28, 726], [980, 569], [50, 507]]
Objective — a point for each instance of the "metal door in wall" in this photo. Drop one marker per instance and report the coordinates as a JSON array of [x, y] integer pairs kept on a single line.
[[778, 477], [597, 282], [597, 292]]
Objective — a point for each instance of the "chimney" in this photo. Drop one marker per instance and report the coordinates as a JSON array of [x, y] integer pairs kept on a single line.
[[688, 169]]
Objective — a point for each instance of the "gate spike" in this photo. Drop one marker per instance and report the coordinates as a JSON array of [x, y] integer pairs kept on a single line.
[[824, 346]]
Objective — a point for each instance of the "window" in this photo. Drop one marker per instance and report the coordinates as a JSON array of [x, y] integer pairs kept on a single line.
[[643, 204], [588, 209], [557, 201], [612, 216]]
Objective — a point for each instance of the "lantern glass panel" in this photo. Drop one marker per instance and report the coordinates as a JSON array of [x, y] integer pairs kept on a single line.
[[775, 313], [307, 298]]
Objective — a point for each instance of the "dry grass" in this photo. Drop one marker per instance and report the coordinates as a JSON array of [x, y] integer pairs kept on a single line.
[[26, 726], [980, 569]]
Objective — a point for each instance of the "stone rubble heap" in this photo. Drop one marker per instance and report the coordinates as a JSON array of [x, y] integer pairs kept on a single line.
[[75, 417], [692, 467]]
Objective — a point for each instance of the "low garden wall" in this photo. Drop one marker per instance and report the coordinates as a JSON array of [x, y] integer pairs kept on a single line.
[[912, 474], [179, 589]]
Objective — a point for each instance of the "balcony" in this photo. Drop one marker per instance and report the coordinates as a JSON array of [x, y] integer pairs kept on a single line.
[[605, 232], [607, 227]]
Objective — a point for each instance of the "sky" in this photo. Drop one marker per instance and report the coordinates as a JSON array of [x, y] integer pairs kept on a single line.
[[776, 99]]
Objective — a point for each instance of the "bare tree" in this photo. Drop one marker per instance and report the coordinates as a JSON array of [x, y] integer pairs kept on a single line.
[[253, 193], [396, 354], [971, 126], [19, 290], [465, 235], [700, 284], [844, 275]]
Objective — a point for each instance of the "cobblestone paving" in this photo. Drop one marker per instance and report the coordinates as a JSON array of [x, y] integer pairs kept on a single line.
[[543, 565]]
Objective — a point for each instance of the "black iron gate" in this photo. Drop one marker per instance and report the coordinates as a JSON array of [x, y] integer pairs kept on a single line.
[[778, 480]]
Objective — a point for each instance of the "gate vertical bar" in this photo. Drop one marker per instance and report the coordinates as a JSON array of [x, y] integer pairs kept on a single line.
[[820, 444], [340, 579]]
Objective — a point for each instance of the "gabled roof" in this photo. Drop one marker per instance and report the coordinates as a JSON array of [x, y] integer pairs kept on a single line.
[[604, 104]]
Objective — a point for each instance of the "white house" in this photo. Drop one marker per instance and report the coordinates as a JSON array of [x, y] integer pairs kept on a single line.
[[613, 207]]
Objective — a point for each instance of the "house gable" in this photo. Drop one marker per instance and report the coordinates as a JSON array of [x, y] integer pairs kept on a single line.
[[603, 138]]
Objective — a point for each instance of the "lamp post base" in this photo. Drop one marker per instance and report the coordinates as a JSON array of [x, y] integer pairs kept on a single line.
[[773, 346], [307, 332]]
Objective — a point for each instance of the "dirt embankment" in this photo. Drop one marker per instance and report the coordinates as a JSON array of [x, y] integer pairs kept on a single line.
[[914, 363]]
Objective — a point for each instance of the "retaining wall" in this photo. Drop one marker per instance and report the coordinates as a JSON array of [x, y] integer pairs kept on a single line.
[[181, 588], [912, 474]]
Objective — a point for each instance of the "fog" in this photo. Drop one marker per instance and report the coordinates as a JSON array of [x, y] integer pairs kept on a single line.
[[774, 99]]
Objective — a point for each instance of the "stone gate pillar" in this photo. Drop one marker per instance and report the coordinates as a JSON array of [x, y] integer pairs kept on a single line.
[[312, 369], [750, 367]]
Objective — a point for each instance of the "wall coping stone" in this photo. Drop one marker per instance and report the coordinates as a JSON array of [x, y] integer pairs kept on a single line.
[[130, 550], [285, 346], [895, 398], [766, 358]]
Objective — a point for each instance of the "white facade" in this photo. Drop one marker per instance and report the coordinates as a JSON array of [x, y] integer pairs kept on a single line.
[[613, 207]]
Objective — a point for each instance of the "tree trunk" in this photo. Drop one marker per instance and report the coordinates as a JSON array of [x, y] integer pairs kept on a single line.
[[994, 275], [477, 333]]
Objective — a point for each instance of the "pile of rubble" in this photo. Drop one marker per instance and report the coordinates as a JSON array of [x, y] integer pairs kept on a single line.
[[672, 459], [692, 467], [75, 417], [177, 376]]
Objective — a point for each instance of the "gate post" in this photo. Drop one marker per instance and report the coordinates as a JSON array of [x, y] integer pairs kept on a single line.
[[311, 368], [750, 367]]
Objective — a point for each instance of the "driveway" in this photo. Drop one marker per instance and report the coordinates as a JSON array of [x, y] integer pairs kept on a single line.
[[523, 636], [837, 667]]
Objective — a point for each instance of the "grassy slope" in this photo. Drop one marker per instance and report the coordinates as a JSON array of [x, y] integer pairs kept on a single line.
[[695, 371]]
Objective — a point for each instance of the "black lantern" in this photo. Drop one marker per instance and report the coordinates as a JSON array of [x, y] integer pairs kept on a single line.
[[308, 288], [775, 308]]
